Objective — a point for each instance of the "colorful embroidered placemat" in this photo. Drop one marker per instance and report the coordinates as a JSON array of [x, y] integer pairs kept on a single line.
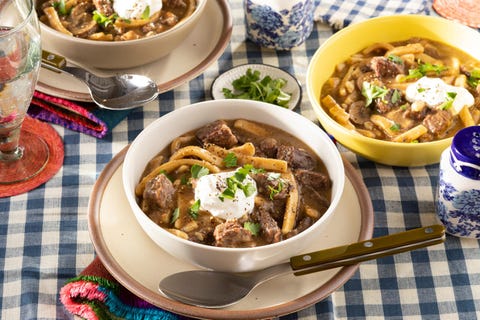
[[96, 295]]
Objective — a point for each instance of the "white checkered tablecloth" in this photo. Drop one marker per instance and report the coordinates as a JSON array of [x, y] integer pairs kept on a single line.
[[44, 238]]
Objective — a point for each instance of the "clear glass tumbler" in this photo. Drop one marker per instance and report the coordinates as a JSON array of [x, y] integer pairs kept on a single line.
[[22, 154]]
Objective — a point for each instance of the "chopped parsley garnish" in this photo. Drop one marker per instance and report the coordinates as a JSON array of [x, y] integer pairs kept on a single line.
[[396, 96], [371, 92], [423, 69], [175, 215], [396, 59], [60, 7], [277, 190], [198, 171], [146, 13], [274, 191], [235, 182], [253, 227], [103, 20], [395, 127], [474, 78], [193, 212], [251, 87], [448, 101], [230, 160]]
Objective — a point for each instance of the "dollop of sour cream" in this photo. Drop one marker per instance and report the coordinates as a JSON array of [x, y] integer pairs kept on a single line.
[[209, 189], [435, 92], [135, 9]]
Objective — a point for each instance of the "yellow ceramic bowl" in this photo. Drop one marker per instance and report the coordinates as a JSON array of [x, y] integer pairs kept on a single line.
[[384, 29]]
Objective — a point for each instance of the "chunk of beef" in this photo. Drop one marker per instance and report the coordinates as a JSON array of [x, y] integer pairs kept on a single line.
[[416, 115], [231, 234], [438, 122], [297, 158], [270, 230], [392, 99], [268, 148], [386, 68], [302, 225], [160, 192], [217, 132], [314, 179], [105, 7], [271, 185], [315, 196], [359, 114], [177, 4]]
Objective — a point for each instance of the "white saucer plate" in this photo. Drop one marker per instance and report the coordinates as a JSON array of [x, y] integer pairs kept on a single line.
[[139, 264], [201, 48], [225, 80]]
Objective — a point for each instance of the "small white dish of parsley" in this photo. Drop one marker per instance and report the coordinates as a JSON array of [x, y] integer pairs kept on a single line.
[[258, 82]]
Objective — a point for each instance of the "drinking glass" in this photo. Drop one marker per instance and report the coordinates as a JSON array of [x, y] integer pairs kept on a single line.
[[23, 154]]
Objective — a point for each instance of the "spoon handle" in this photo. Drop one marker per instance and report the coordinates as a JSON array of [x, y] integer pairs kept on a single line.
[[54, 61], [367, 250]]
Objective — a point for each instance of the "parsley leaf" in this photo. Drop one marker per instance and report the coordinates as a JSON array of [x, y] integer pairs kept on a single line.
[[371, 92], [60, 7], [198, 171], [448, 101], [474, 78], [395, 59], [277, 190], [423, 69], [146, 13], [230, 160], [395, 127], [193, 212], [103, 20], [251, 87], [253, 227], [235, 182]]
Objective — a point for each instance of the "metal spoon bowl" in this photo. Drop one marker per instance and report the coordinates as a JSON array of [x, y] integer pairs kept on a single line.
[[119, 92], [213, 289]]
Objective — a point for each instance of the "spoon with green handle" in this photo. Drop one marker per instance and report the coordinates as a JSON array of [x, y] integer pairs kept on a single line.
[[214, 289], [119, 92]]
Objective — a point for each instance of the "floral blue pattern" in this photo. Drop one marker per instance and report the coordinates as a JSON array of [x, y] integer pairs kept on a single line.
[[282, 29], [459, 210]]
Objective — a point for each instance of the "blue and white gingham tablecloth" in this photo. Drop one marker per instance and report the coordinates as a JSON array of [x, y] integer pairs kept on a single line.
[[44, 238]]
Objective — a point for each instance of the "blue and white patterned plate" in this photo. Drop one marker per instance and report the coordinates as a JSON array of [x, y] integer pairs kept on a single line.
[[225, 80]]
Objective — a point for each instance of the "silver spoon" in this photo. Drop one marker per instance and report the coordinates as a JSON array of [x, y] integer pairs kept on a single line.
[[214, 289], [120, 92]]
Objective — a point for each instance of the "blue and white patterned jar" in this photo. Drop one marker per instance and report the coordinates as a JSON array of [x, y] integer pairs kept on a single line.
[[279, 24], [458, 196]]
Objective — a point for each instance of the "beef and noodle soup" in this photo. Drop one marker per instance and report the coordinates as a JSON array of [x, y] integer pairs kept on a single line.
[[119, 20], [231, 184], [410, 91]]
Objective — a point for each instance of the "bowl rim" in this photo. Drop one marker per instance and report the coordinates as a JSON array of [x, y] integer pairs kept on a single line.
[[232, 104], [184, 22], [338, 127]]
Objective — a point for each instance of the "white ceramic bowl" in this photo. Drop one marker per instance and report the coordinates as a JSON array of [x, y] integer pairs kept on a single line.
[[119, 54], [161, 132]]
